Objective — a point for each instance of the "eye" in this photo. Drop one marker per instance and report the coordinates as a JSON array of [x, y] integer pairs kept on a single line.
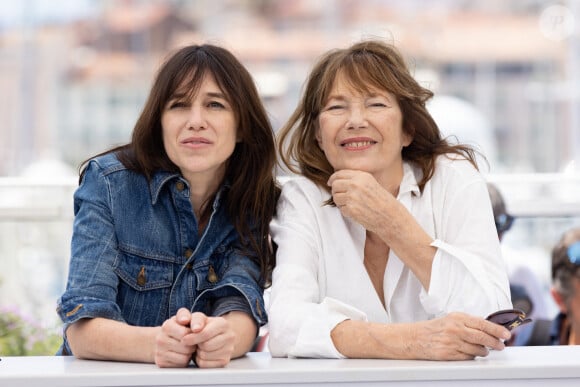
[[335, 107], [216, 105], [177, 104], [377, 103]]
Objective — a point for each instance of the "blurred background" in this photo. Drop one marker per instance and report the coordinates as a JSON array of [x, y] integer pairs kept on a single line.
[[74, 75]]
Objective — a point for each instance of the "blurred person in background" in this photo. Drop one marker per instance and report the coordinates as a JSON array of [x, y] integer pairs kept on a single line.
[[170, 248], [564, 329], [503, 222], [386, 246]]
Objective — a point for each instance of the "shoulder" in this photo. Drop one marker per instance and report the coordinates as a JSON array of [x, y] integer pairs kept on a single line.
[[452, 167], [105, 164], [299, 185], [107, 170], [299, 193]]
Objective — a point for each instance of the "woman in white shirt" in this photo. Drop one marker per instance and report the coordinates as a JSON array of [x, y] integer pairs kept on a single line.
[[386, 243]]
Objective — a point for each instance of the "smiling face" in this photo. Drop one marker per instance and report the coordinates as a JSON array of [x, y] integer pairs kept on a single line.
[[363, 131], [199, 131]]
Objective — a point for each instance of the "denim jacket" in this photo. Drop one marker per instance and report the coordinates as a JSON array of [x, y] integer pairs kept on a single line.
[[137, 257]]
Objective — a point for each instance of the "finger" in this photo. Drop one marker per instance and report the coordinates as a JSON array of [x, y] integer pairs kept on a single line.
[[496, 330], [212, 327], [223, 340], [198, 322], [337, 175], [491, 336], [172, 329], [338, 186], [169, 350], [183, 316], [169, 359], [339, 199], [203, 362]]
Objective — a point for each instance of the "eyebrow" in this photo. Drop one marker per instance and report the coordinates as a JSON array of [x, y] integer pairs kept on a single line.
[[336, 97], [341, 97], [214, 94]]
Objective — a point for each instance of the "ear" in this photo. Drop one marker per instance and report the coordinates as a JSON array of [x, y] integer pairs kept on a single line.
[[407, 139], [318, 137], [559, 299]]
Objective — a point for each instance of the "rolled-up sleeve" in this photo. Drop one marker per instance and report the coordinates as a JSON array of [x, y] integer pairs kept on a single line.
[[92, 283], [301, 318], [468, 272], [239, 289]]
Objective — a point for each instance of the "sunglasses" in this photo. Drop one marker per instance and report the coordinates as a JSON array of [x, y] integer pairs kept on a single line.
[[509, 318], [574, 253], [503, 222]]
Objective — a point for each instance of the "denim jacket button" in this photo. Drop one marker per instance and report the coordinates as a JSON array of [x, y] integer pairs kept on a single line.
[[141, 279], [188, 253], [211, 275], [180, 186]]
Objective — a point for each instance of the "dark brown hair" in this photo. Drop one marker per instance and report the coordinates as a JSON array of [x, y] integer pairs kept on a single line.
[[365, 65], [253, 192]]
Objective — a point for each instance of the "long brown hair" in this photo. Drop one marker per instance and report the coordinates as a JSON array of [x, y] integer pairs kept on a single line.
[[253, 193], [368, 64]]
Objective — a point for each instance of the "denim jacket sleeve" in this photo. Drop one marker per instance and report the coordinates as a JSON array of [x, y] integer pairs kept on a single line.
[[231, 275], [92, 283]]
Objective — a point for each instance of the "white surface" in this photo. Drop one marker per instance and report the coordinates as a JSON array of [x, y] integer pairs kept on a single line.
[[527, 366]]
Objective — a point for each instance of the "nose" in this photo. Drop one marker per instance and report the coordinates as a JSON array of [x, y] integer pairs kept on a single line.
[[196, 119], [357, 116]]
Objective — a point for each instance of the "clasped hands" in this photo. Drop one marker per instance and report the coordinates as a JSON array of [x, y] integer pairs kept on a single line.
[[208, 341]]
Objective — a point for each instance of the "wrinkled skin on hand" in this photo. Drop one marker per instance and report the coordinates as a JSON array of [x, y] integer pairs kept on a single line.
[[457, 336]]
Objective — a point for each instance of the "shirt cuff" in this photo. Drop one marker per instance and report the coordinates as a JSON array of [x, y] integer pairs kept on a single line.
[[314, 339]]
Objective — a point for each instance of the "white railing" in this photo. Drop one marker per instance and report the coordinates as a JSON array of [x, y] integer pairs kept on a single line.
[[36, 223]]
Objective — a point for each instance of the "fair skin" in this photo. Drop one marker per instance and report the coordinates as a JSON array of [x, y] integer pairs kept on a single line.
[[362, 137], [199, 135], [571, 307]]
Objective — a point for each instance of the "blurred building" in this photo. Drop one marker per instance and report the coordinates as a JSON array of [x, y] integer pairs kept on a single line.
[[74, 89]]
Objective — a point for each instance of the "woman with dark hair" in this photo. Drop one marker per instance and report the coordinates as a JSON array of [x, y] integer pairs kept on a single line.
[[170, 248], [386, 244]]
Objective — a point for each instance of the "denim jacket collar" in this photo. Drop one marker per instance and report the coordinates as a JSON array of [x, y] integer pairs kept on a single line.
[[161, 178], [157, 182]]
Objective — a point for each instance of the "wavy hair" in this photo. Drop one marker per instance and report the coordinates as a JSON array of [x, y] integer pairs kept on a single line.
[[366, 65], [253, 193]]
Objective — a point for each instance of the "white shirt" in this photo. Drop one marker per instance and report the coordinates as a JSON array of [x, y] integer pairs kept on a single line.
[[320, 279]]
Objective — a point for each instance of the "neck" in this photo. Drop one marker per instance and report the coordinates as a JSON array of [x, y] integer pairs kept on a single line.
[[391, 181], [202, 187]]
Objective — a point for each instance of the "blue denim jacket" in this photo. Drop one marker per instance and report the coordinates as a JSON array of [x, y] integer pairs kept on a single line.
[[137, 256]]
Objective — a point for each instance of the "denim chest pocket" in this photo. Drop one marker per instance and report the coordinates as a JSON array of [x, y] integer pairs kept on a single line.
[[144, 288]]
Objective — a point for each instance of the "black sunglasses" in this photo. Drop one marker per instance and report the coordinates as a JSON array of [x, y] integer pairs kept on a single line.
[[509, 318], [503, 222]]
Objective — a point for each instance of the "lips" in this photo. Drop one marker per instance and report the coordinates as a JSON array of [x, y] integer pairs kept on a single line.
[[357, 143], [196, 141]]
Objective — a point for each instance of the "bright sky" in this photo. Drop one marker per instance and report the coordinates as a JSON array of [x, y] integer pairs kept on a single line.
[[22, 12]]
